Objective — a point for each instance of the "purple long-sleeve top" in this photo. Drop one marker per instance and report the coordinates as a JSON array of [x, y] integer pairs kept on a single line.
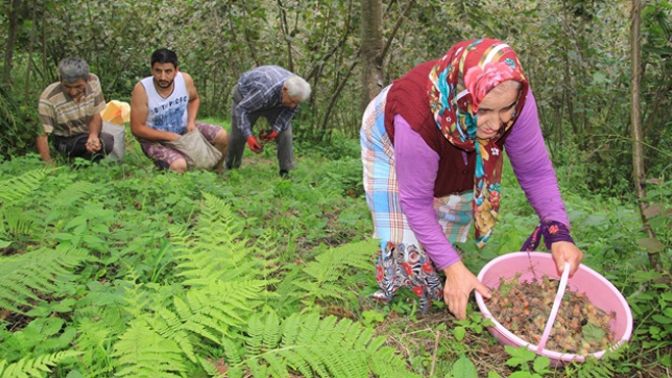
[[417, 165]]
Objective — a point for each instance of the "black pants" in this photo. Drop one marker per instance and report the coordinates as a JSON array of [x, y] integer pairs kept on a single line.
[[237, 139], [75, 146]]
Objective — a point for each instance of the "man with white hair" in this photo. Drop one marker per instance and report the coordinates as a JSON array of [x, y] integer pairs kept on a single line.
[[271, 92], [70, 110]]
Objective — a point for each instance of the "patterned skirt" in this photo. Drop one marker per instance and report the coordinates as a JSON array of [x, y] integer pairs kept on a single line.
[[402, 261]]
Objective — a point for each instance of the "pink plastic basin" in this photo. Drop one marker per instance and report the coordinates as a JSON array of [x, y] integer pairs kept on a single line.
[[597, 289]]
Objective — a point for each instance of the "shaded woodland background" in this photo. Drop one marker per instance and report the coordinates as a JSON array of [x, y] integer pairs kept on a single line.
[[576, 53]]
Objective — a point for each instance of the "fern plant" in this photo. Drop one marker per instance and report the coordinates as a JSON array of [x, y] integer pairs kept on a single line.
[[94, 341], [215, 250], [24, 278], [220, 290], [310, 346], [13, 222], [33, 367], [16, 188], [218, 311], [141, 352], [266, 251], [324, 278]]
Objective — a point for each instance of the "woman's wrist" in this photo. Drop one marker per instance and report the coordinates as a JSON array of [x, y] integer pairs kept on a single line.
[[453, 267], [555, 231], [551, 231]]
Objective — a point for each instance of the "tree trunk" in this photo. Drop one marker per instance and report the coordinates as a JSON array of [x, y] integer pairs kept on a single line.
[[371, 50], [326, 134], [29, 51], [638, 172], [11, 39], [286, 35]]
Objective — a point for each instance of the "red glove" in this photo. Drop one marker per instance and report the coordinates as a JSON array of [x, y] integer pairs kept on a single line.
[[254, 145], [268, 136]]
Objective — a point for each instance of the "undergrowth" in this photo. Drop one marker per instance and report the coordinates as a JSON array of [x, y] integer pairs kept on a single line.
[[123, 270]]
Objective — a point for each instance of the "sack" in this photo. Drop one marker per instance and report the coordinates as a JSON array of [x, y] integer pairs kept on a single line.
[[118, 133], [198, 151]]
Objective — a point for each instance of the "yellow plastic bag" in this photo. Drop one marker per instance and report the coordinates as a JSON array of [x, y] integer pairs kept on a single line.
[[115, 115], [116, 112]]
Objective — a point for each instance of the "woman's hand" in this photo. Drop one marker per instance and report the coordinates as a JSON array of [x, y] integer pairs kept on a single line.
[[459, 284], [563, 252]]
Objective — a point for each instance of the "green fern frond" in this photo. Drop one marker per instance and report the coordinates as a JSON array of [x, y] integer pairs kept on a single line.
[[265, 250], [24, 277], [271, 334], [13, 223], [592, 368], [216, 312], [169, 325], [330, 265], [388, 364], [255, 332], [16, 188], [93, 341], [34, 366], [135, 298], [215, 250], [323, 277], [315, 347], [74, 193], [232, 351], [141, 352], [214, 368]]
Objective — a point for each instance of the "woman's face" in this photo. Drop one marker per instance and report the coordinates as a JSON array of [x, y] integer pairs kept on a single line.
[[497, 109]]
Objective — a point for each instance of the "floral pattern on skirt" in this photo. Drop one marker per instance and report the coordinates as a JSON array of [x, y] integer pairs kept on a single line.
[[407, 266]]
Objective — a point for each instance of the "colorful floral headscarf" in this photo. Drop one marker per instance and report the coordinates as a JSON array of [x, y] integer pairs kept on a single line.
[[458, 84]]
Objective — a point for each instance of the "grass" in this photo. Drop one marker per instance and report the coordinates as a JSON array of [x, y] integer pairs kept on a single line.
[[122, 215]]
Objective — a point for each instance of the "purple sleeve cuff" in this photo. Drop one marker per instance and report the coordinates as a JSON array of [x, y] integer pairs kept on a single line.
[[551, 231], [416, 165]]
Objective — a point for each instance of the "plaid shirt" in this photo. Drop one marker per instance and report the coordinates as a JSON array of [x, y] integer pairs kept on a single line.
[[261, 89], [62, 116]]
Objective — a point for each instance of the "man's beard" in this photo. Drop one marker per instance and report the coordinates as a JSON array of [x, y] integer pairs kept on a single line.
[[163, 84]]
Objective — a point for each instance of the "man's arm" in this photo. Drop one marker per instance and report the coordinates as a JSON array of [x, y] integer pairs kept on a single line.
[[194, 102], [47, 117], [284, 119], [139, 113], [96, 122], [42, 144], [253, 100], [95, 126]]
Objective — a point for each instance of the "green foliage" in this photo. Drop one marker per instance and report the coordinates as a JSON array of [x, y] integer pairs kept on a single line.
[[13, 223], [314, 347], [24, 278], [521, 359], [212, 313], [141, 352], [463, 368], [15, 133], [33, 367], [14, 189], [215, 251], [330, 276], [210, 275]]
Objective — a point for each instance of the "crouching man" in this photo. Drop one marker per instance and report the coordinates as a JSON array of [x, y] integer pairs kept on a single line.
[[271, 92], [163, 108], [69, 110]]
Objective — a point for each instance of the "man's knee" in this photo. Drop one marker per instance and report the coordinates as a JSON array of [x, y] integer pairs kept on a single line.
[[179, 166], [222, 138]]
